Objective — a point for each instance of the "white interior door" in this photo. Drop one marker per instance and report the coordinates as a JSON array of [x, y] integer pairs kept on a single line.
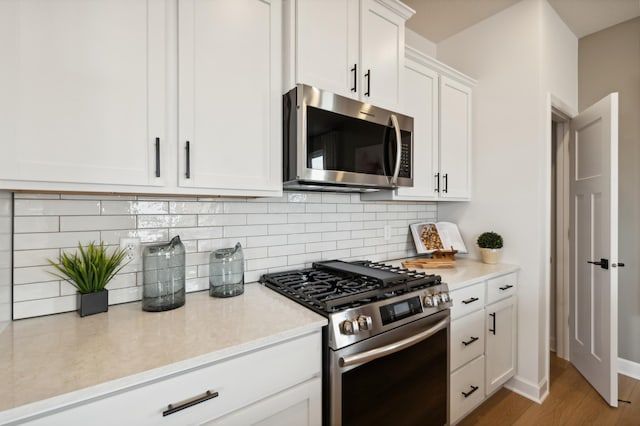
[[593, 319]]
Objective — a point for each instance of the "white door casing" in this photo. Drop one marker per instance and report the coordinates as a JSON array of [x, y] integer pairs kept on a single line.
[[593, 319]]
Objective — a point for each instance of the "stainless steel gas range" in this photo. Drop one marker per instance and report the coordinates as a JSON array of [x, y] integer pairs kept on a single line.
[[385, 357]]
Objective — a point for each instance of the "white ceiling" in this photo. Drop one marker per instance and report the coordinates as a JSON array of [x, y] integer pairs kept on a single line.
[[439, 19]]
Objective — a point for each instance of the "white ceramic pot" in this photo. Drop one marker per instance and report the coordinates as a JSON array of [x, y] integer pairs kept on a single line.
[[490, 256]]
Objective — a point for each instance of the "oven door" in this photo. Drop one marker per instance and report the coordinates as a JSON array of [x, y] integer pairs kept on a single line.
[[400, 377]]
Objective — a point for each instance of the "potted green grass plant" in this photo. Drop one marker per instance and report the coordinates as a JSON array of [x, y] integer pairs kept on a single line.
[[89, 270], [490, 244]]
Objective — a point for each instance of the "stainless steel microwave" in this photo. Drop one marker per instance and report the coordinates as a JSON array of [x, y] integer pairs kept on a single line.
[[339, 144]]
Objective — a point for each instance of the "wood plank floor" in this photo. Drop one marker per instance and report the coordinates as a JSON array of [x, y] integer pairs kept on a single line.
[[571, 401]]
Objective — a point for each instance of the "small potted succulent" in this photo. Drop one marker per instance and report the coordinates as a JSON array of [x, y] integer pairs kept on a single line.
[[490, 244], [89, 271]]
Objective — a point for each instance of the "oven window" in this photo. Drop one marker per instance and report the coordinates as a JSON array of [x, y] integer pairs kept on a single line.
[[405, 388]]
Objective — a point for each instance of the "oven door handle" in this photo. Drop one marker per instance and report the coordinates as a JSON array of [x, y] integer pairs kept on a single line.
[[382, 351]]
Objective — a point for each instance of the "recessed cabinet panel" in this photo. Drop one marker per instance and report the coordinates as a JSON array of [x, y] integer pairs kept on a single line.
[[229, 94], [81, 101], [327, 45], [382, 42], [501, 338], [455, 139]]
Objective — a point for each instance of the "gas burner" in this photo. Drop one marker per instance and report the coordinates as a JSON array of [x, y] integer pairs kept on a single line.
[[335, 286]]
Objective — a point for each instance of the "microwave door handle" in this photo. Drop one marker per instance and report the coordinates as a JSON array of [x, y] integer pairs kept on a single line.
[[380, 352], [396, 171]]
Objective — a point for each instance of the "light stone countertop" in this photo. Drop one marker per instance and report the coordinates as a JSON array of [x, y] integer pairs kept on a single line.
[[466, 271], [50, 361]]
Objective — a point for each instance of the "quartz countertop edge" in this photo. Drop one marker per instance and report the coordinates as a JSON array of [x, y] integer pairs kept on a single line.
[[257, 319]]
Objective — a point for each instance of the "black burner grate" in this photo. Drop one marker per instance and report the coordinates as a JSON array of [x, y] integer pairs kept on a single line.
[[327, 291]]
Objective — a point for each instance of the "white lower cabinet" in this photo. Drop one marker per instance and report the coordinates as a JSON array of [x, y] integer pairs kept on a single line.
[[279, 384], [501, 343], [467, 388], [482, 344]]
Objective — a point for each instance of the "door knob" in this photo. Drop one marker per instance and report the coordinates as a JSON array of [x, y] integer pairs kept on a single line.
[[604, 263]]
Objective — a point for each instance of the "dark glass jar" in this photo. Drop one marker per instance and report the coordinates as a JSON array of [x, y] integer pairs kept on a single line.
[[226, 272]]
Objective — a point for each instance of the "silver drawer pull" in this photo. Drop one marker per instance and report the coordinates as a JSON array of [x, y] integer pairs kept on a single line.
[[470, 341], [506, 287], [473, 389], [172, 408]]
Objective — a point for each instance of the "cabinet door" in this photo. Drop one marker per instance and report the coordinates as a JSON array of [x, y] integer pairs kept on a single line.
[[500, 343], [455, 139], [300, 405], [382, 54], [83, 88], [420, 101], [327, 45], [230, 98]]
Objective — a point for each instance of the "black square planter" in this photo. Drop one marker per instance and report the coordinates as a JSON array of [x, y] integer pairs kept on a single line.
[[93, 303]]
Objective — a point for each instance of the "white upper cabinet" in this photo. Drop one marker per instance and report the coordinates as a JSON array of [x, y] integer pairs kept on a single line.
[[230, 100], [439, 100], [84, 93], [455, 139], [354, 48], [106, 95]]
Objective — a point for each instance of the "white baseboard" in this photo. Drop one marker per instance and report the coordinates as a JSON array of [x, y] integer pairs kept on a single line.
[[535, 392], [629, 368]]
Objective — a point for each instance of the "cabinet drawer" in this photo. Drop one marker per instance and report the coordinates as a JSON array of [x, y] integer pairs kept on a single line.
[[467, 339], [467, 300], [239, 381], [467, 389], [501, 287]]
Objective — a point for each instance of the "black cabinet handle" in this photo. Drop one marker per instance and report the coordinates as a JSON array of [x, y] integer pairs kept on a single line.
[[446, 182], [437, 182], [506, 287], [354, 70], [470, 300], [604, 263], [187, 148], [473, 389], [620, 264], [174, 408], [493, 330], [470, 341], [368, 75], [157, 157]]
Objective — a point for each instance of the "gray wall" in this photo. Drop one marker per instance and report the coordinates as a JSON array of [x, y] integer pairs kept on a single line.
[[609, 61], [5, 257]]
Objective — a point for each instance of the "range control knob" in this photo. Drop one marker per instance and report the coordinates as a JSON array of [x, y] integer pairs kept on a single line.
[[349, 327], [431, 301], [444, 297], [365, 322]]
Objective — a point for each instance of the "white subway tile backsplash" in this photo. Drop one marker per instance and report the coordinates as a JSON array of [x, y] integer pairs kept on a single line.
[[320, 227], [27, 224], [336, 217], [168, 221], [304, 238], [221, 219], [134, 207], [304, 217], [266, 219], [47, 207], [53, 240], [249, 207], [195, 207], [89, 223], [24, 258], [287, 232], [292, 228], [38, 290], [44, 306]]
